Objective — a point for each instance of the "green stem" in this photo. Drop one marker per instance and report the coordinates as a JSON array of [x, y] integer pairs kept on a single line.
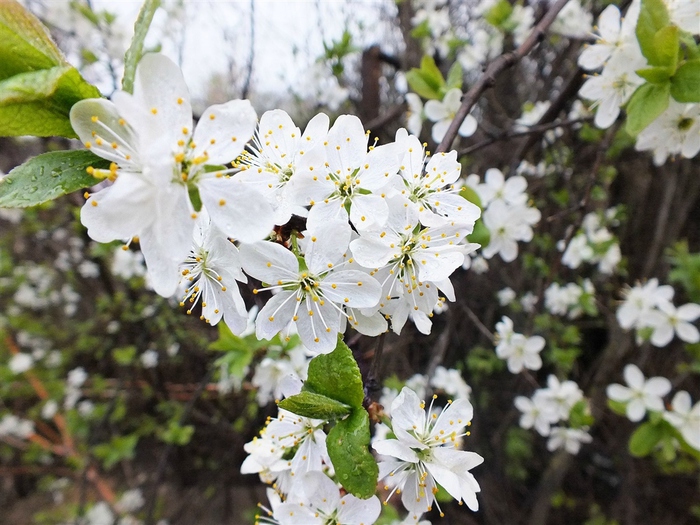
[[135, 51]]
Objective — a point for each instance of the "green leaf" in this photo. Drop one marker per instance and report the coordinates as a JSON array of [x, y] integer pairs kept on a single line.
[[653, 16], [336, 375], [656, 75], [646, 104], [135, 51], [481, 234], [469, 194], [645, 439], [420, 86], [692, 50], [685, 84], [666, 47], [454, 77], [119, 448], [39, 102], [177, 434], [316, 406], [354, 465], [47, 177], [499, 13], [431, 73], [25, 44]]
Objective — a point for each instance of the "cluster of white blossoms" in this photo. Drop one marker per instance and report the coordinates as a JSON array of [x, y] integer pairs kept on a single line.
[[384, 227], [507, 215], [570, 300], [643, 395], [594, 244], [519, 351], [288, 447], [552, 406], [424, 453], [649, 309], [617, 52]]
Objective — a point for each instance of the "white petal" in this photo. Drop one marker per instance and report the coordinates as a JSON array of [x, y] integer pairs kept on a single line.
[[238, 211], [352, 288], [223, 131], [100, 127], [368, 211], [347, 145], [275, 315], [269, 262], [121, 211]]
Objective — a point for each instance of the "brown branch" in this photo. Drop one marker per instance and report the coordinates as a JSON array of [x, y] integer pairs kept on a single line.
[[531, 130], [494, 69]]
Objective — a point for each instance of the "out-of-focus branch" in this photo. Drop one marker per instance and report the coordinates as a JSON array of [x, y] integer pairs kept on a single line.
[[533, 131], [494, 69]]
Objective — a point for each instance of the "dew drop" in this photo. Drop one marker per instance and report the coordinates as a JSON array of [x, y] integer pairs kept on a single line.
[[56, 172]]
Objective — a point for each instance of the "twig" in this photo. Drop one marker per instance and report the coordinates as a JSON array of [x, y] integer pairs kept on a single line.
[[532, 130], [494, 69], [163, 461], [383, 119], [481, 326], [440, 348], [251, 56]]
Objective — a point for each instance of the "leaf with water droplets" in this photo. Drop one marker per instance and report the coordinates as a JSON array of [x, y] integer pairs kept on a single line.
[[30, 184], [348, 448]]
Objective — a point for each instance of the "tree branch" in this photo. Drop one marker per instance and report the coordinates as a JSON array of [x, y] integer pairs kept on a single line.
[[494, 69]]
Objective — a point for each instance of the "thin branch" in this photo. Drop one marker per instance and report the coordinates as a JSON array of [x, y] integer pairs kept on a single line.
[[494, 69], [532, 130], [251, 56], [374, 385]]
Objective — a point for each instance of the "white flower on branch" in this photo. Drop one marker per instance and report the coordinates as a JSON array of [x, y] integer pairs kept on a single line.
[[424, 454], [156, 159]]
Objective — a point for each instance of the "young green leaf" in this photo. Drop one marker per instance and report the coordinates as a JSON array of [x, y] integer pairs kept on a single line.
[[431, 73], [454, 77], [685, 84], [646, 104], [48, 176], [645, 438], [25, 44], [656, 75], [135, 51], [653, 16], [420, 86], [317, 406], [354, 465], [667, 47], [38, 102], [336, 375]]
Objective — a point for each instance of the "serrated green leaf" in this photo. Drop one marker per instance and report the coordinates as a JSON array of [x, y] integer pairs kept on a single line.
[[420, 86], [48, 176], [454, 77], [644, 439], [647, 103], [653, 16], [315, 406], [38, 102], [656, 75], [685, 84], [336, 375], [355, 467], [25, 44], [135, 52]]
